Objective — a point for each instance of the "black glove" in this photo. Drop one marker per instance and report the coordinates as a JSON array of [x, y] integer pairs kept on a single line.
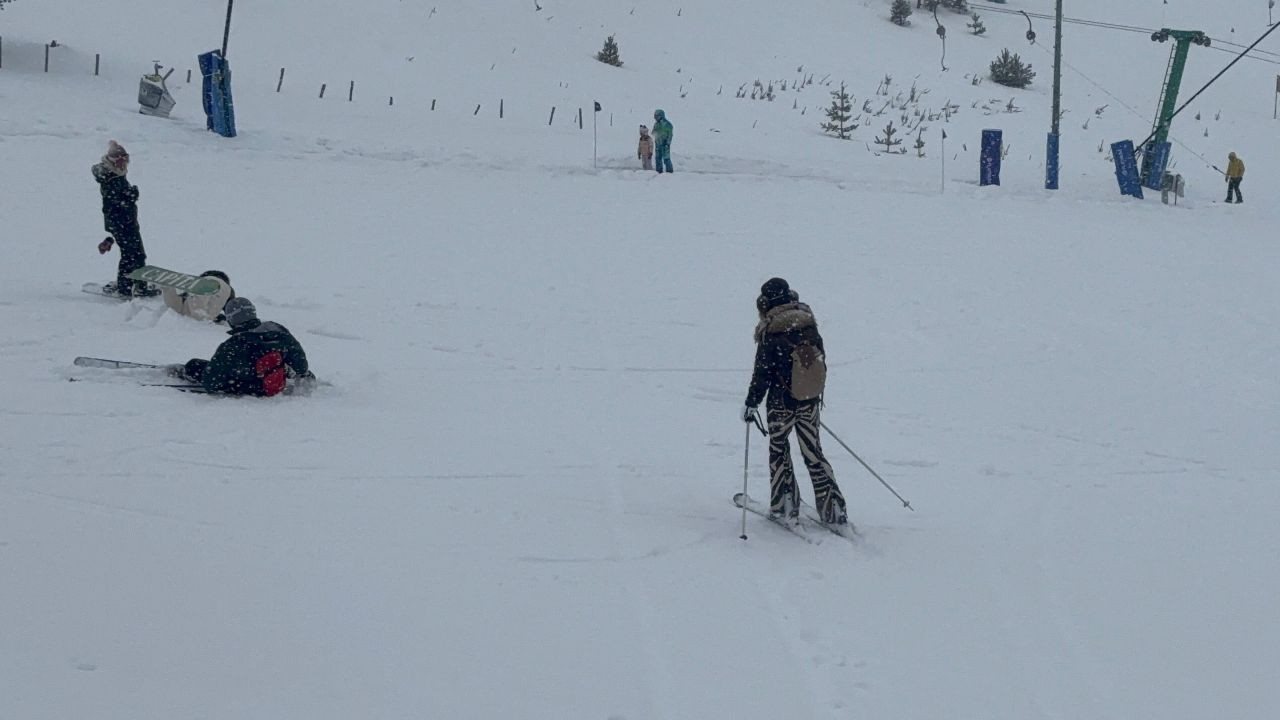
[[749, 414]]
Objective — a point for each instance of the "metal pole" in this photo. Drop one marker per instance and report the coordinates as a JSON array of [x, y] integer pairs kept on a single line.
[[943, 187], [1051, 159], [905, 504], [746, 459], [226, 30], [594, 142]]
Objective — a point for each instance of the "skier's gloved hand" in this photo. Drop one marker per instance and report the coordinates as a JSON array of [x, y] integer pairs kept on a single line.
[[104, 247], [749, 414]]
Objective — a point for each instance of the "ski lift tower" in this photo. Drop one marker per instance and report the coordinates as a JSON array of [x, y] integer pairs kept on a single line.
[[1155, 154]]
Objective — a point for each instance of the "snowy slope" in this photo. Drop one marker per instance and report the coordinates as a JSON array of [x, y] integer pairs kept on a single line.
[[514, 501]]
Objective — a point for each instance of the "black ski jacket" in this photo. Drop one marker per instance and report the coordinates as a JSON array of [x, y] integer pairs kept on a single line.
[[233, 368], [119, 202], [779, 331]]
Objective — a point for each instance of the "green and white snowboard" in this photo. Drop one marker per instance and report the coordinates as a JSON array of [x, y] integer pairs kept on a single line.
[[193, 284]]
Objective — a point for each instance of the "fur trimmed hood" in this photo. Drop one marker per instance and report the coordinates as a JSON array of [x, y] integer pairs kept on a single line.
[[784, 318]]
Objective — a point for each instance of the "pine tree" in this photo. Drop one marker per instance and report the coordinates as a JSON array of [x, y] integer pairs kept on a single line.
[[975, 25], [919, 146], [900, 12], [888, 140], [1009, 70], [609, 53], [839, 113]]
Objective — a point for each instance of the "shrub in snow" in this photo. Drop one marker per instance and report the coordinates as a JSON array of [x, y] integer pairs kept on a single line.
[[899, 13], [1009, 70], [975, 24], [609, 53], [888, 141], [838, 114]]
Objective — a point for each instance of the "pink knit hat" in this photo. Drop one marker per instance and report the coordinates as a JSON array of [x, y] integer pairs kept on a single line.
[[116, 154]]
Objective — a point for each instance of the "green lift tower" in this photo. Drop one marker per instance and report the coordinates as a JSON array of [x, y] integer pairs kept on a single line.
[[1168, 104]]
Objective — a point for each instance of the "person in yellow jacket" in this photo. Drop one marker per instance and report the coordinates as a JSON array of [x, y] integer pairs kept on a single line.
[[1235, 173]]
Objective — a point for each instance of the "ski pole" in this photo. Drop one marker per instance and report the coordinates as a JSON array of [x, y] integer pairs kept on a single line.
[[746, 459], [905, 504]]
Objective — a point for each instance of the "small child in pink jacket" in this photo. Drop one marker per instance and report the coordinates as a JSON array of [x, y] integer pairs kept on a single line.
[[645, 151]]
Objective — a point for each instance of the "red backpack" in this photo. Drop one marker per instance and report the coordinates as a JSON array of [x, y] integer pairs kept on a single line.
[[270, 369]]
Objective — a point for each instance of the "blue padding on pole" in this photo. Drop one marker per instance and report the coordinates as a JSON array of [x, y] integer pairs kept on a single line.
[[1051, 163], [989, 161], [1159, 161], [1126, 168], [216, 86]]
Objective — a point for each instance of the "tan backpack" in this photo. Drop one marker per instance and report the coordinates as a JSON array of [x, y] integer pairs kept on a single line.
[[808, 372]]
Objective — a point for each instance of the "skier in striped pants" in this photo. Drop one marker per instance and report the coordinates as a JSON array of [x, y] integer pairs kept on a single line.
[[791, 370]]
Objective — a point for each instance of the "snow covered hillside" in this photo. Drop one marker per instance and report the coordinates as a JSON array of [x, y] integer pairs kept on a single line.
[[514, 499]]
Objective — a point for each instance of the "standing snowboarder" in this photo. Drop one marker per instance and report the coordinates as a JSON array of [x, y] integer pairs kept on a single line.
[[644, 151], [1235, 174], [120, 219], [791, 368], [257, 359], [662, 132]]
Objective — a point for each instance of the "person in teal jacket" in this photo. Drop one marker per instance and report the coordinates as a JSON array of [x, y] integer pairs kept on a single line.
[[661, 142]]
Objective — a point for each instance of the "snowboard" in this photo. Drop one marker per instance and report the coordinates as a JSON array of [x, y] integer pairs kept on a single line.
[[192, 284], [108, 291]]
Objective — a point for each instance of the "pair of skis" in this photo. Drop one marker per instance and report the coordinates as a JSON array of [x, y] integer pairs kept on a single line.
[[170, 371], [799, 527]]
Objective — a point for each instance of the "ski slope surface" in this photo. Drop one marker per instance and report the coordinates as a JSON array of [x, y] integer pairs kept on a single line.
[[513, 500]]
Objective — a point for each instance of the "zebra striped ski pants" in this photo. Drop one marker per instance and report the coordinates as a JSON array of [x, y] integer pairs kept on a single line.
[[784, 495]]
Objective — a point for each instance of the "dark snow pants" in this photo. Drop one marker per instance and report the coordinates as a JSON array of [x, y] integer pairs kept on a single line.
[[662, 157], [784, 495], [1233, 185], [132, 257]]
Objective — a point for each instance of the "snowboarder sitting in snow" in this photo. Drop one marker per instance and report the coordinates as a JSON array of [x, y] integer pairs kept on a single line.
[[1235, 174], [201, 307], [645, 151], [790, 367], [257, 359], [120, 218], [662, 132]]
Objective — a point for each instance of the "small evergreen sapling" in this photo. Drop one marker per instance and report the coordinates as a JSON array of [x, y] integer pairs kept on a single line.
[[888, 141], [609, 53], [975, 24], [919, 146], [839, 114], [1009, 70], [899, 13]]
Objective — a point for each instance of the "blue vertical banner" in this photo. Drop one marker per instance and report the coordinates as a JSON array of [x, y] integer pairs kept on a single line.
[[1051, 163], [989, 161], [1157, 164], [1126, 168], [220, 114]]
